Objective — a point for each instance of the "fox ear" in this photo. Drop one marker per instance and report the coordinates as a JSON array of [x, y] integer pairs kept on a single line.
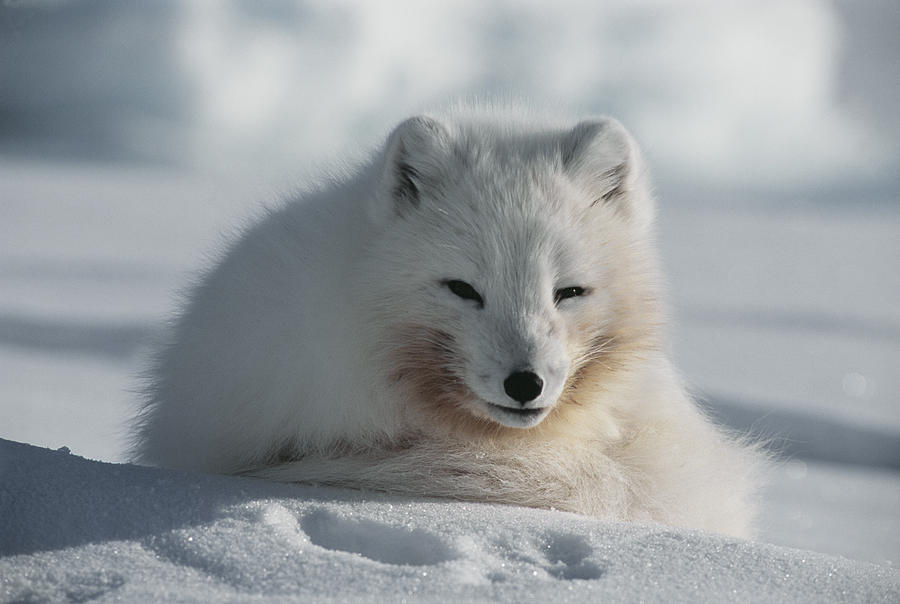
[[600, 154], [415, 153]]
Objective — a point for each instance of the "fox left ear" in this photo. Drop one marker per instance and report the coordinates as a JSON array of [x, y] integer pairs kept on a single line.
[[415, 155], [600, 154]]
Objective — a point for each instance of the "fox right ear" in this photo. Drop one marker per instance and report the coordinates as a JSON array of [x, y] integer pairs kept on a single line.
[[601, 154], [414, 157]]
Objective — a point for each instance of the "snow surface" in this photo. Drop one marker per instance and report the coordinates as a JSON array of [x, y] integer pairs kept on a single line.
[[81, 530], [773, 136]]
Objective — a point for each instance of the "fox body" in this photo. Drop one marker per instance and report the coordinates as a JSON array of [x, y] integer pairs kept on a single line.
[[475, 313]]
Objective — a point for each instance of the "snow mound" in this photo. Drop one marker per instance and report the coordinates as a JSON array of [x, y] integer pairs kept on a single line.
[[76, 529]]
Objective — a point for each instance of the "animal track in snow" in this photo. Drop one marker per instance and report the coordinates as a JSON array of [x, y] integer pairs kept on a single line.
[[375, 540], [209, 548], [545, 555], [567, 557]]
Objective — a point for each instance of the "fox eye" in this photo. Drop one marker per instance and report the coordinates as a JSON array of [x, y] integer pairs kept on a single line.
[[564, 293], [464, 291]]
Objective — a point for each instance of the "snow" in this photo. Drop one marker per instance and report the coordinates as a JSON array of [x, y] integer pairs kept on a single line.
[[838, 509], [142, 534], [268, 86], [135, 137]]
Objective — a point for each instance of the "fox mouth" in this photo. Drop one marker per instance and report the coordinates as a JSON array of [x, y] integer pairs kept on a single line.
[[520, 412], [516, 417]]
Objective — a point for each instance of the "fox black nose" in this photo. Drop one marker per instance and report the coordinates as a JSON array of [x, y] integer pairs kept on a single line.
[[523, 386]]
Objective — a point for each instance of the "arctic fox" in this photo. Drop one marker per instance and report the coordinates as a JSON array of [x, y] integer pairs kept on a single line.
[[473, 314]]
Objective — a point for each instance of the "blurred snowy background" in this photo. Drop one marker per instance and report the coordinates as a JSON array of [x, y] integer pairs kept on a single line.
[[133, 134]]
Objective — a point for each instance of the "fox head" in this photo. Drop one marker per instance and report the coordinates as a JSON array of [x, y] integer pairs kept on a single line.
[[511, 275]]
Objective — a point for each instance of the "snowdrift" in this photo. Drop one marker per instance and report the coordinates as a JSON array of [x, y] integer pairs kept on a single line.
[[74, 529]]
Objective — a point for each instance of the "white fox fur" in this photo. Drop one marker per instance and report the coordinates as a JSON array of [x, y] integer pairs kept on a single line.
[[474, 314]]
